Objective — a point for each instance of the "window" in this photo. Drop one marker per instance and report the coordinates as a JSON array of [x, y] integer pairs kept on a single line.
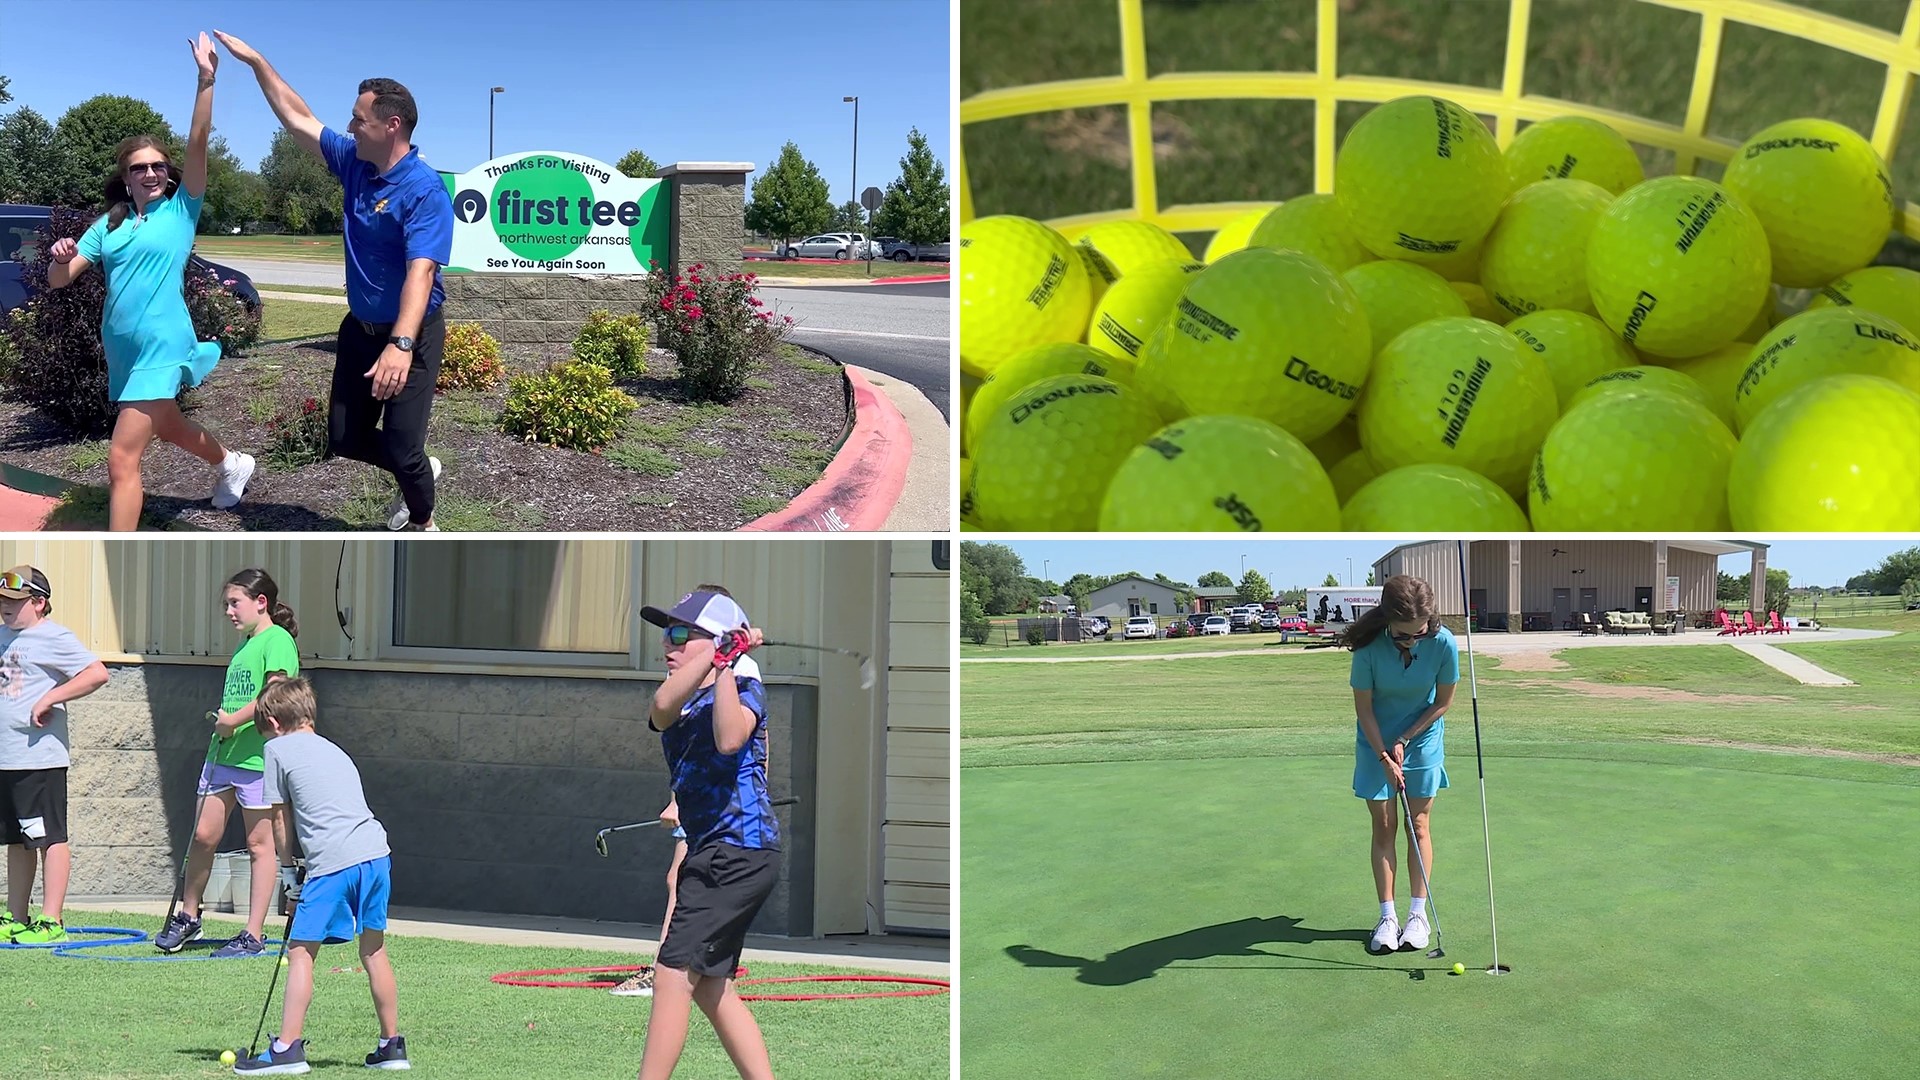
[[942, 555], [1154, 608], [545, 596]]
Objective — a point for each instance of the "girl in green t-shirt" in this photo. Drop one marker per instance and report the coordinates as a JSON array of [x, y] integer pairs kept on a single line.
[[233, 770]]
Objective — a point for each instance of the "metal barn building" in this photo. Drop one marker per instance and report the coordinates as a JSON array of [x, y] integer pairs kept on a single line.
[[1133, 596]]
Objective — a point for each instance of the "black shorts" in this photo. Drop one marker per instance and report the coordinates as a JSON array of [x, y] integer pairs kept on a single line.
[[720, 890], [33, 807]]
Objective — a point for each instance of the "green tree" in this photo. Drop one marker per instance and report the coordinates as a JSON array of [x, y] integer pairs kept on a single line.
[[6, 95], [973, 618], [1893, 572], [85, 139], [1078, 586], [915, 207], [1779, 582], [847, 217], [30, 165], [1370, 580], [1729, 588], [637, 164], [1214, 579], [1000, 578], [301, 193], [1909, 591], [1254, 588], [231, 200], [1332, 582], [790, 200]]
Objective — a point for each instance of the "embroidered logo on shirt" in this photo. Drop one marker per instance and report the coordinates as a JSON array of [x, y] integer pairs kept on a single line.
[[380, 206]]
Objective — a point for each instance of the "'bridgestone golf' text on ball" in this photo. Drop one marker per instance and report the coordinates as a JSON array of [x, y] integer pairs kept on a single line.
[[1677, 266], [1420, 178]]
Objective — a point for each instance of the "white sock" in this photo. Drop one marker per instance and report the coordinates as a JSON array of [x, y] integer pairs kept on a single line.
[[1419, 907], [281, 1047], [1386, 911]]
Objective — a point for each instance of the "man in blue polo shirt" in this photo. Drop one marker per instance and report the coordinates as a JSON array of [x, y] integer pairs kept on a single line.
[[399, 233]]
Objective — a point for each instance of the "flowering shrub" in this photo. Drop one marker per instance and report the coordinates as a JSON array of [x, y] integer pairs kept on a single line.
[[615, 342], [297, 434], [218, 315], [715, 325], [470, 360], [573, 405]]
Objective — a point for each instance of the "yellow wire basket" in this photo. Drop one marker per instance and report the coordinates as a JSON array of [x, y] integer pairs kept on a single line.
[[1508, 104]]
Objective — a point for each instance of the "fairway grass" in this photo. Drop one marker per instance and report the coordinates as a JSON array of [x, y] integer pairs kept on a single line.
[[94, 1019], [286, 320]]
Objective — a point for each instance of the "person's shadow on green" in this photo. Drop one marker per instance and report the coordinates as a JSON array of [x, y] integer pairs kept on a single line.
[[1143, 960]]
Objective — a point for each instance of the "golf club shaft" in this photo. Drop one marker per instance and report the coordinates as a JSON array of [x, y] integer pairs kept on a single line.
[[611, 829], [1479, 758], [1413, 844], [817, 648], [272, 981], [193, 825]]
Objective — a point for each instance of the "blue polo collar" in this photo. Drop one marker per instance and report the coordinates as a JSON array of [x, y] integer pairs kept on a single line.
[[412, 154]]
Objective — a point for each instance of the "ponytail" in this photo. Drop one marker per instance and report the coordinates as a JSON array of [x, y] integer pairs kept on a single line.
[[283, 618]]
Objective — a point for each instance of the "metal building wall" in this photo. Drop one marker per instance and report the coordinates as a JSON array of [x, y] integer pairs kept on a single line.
[[916, 833]]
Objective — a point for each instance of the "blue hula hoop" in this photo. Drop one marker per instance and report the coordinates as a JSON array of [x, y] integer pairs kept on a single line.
[[128, 936], [73, 951]]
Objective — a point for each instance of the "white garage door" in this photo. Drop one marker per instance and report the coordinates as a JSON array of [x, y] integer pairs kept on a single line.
[[914, 832]]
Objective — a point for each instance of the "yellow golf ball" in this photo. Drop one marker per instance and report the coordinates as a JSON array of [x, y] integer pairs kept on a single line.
[[1718, 373], [1020, 285], [1792, 473], [1043, 460], [1479, 304], [1574, 148], [1821, 192], [227, 1058], [1642, 377], [1535, 259], [1398, 294], [1420, 179], [1234, 234], [1129, 245], [1893, 291], [1314, 225], [1137, 305], [1459, 969], [1829, 341], [1577, 349], [1220, 474], [1033, 365], [1420, 498]]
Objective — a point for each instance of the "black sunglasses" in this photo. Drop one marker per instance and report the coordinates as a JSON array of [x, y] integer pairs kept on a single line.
[[1427, 633], [680, 633], [139, 167]]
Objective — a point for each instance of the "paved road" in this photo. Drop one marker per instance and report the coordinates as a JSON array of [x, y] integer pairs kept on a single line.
[[276, 272], [900, 330]]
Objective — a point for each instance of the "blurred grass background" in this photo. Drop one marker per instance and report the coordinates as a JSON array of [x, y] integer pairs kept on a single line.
[[1619, 54]]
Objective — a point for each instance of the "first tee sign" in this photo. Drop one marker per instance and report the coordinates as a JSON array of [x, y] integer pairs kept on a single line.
[[553, 212]]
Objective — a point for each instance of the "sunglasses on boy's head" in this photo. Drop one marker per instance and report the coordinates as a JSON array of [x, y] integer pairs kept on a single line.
[[11, 580], [680, 633]]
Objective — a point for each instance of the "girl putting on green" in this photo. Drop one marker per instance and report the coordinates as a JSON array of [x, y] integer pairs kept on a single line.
[[232, 773], [1405, 666]]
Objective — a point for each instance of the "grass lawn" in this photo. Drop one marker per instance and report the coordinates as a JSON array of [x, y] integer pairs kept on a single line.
[[283, 320], [1020, 650], [307, 248], [320, 290], [1661, 916], [74, 1017]]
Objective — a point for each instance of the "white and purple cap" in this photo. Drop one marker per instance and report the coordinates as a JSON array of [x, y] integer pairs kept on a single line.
[[710, 611]]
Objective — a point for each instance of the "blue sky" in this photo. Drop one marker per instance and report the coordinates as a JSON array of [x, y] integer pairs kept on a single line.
[[707, 80], [1306, 563]]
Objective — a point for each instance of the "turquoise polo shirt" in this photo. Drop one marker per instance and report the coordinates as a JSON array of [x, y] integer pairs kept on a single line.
[[1402, 689], [392, 218]]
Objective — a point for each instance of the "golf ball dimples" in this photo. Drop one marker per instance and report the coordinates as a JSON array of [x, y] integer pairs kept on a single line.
[[1136, 305], [1718, 373], [1270, 334], [1630, 461], [1234, 234], [1677, 266], [1129, 245], [1426, 497], [1420, 178], [1536, 256], [1351, 473], [1100, 274], [1822, 195], [1459, 969], [1315, 225], [1396, 295], [1044, 458], [1020, 285], [1643, 378], [1577, 348], [1220, 474], [1033, 365], [1791, 474], [1893, 291], [1829, 341], [227, 1057], [1458, 392], [1479, 304], [1574, 148]]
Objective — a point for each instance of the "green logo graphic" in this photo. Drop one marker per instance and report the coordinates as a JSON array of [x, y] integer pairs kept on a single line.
[[553, 212], [536, 210]]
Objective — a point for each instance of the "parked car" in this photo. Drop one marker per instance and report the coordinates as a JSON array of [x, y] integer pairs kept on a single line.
[[1295, 624], [1269, 620], [892, 247], [1216, 624], [1242, 618], [830, 246], [1180, 628], [20, 227], [1141, 626], [1196, 621]]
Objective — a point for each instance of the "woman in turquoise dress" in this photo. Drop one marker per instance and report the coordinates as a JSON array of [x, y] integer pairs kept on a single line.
[[142, 244], [1405, 666]]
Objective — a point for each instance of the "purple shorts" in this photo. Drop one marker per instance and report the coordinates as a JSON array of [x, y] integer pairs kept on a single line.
[[250, 787]]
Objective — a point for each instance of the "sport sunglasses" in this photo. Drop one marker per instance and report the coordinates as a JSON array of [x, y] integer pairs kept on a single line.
[[12, 580], [680, 633]]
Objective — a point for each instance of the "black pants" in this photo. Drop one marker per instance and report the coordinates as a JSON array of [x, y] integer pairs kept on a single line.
[[390, 434]]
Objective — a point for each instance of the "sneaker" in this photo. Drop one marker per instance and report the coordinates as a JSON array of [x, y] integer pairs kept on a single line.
[[243, 945], [397, 513], [9, 926], [230, 479], [180, 929], [289, 1062], [391, 1056], [1386, 936], [41, 932], [639, 984], [1415, 935]]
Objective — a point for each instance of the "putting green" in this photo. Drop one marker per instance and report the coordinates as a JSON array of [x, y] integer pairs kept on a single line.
[[1668, 911]]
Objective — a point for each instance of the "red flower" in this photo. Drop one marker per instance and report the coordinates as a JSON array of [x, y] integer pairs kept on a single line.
[[693, 313]]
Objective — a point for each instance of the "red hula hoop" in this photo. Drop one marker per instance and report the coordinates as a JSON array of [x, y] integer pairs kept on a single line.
[[535, 978], [532, 978]]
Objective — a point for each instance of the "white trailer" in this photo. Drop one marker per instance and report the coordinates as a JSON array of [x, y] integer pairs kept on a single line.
[[1342, 605]]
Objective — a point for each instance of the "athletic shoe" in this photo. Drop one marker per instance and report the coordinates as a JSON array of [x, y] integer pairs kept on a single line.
[[1415, 935], [243, 945], [1386, 936], [230, 479], [391, 1056], [9, 925], [289, 1062], [180, 929], [41, 932], [640, 984], [397, 513]]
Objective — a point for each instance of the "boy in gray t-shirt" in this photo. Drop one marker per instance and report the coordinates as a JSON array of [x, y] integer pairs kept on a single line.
[[42, 668], [315, 791]]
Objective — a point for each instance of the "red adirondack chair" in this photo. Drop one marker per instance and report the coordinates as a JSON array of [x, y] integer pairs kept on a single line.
[[1777, 625], [1752, 627], [1726, 624]]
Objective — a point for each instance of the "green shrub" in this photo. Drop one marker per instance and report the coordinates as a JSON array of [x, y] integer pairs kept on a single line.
[[19, 321], [615, 342], [218, 315], [1036, 635], [297, 434], [573, 405], [471, 360], [715, 326]]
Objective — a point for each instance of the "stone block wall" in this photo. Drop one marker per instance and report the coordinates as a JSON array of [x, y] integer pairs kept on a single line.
[[539, 309], [490, 788], [709, 214]]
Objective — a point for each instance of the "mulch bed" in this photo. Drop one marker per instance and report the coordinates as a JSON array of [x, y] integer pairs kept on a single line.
[[679, 466]]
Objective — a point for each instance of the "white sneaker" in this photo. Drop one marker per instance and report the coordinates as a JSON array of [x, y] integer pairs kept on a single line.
[[1415, 934], [397, 513], [230, 479], [1386, 936]]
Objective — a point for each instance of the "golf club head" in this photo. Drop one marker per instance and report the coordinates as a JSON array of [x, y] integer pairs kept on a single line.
[[600, 844], [866, 674], [1436, 953]]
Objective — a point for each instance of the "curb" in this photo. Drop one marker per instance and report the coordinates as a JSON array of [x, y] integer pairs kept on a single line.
[[860, 486], [28, 498], [826, 283]]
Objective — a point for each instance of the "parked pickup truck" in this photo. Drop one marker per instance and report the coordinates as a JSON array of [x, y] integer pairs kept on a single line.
[[899, 250]]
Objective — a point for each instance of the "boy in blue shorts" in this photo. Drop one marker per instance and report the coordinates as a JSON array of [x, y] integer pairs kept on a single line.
[[315, 791], [712, 719]]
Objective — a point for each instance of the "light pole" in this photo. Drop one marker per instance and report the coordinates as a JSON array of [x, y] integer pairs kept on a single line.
[[490, 93], [854, 188], [1349, 573], [1243, 568], [1044, 564]]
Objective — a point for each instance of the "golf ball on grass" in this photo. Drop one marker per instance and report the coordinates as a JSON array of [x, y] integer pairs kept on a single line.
[[1234, 234], [1677, 266], [1396, 295], [1535, 258], [1820, 192], [1573, 148], [1460, 392], [1420, 178], [1576, 348], [1020, 285], [1632, 461], [1033, 365], [1220, 474], [1799, 467], [1647, 377], [1136, 305], [1428, 497], [1127, 246], [1893, 291], [1043, 460], [1313, 225], [1828, 341], [1264, 333], [227, 1057]]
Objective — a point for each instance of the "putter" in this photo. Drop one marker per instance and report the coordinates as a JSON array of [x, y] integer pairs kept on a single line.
[[186, 850], [1433, 912], [866, 662], [600, 838]]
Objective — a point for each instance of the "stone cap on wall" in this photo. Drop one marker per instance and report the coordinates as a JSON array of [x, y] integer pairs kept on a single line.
[[706, 167]]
